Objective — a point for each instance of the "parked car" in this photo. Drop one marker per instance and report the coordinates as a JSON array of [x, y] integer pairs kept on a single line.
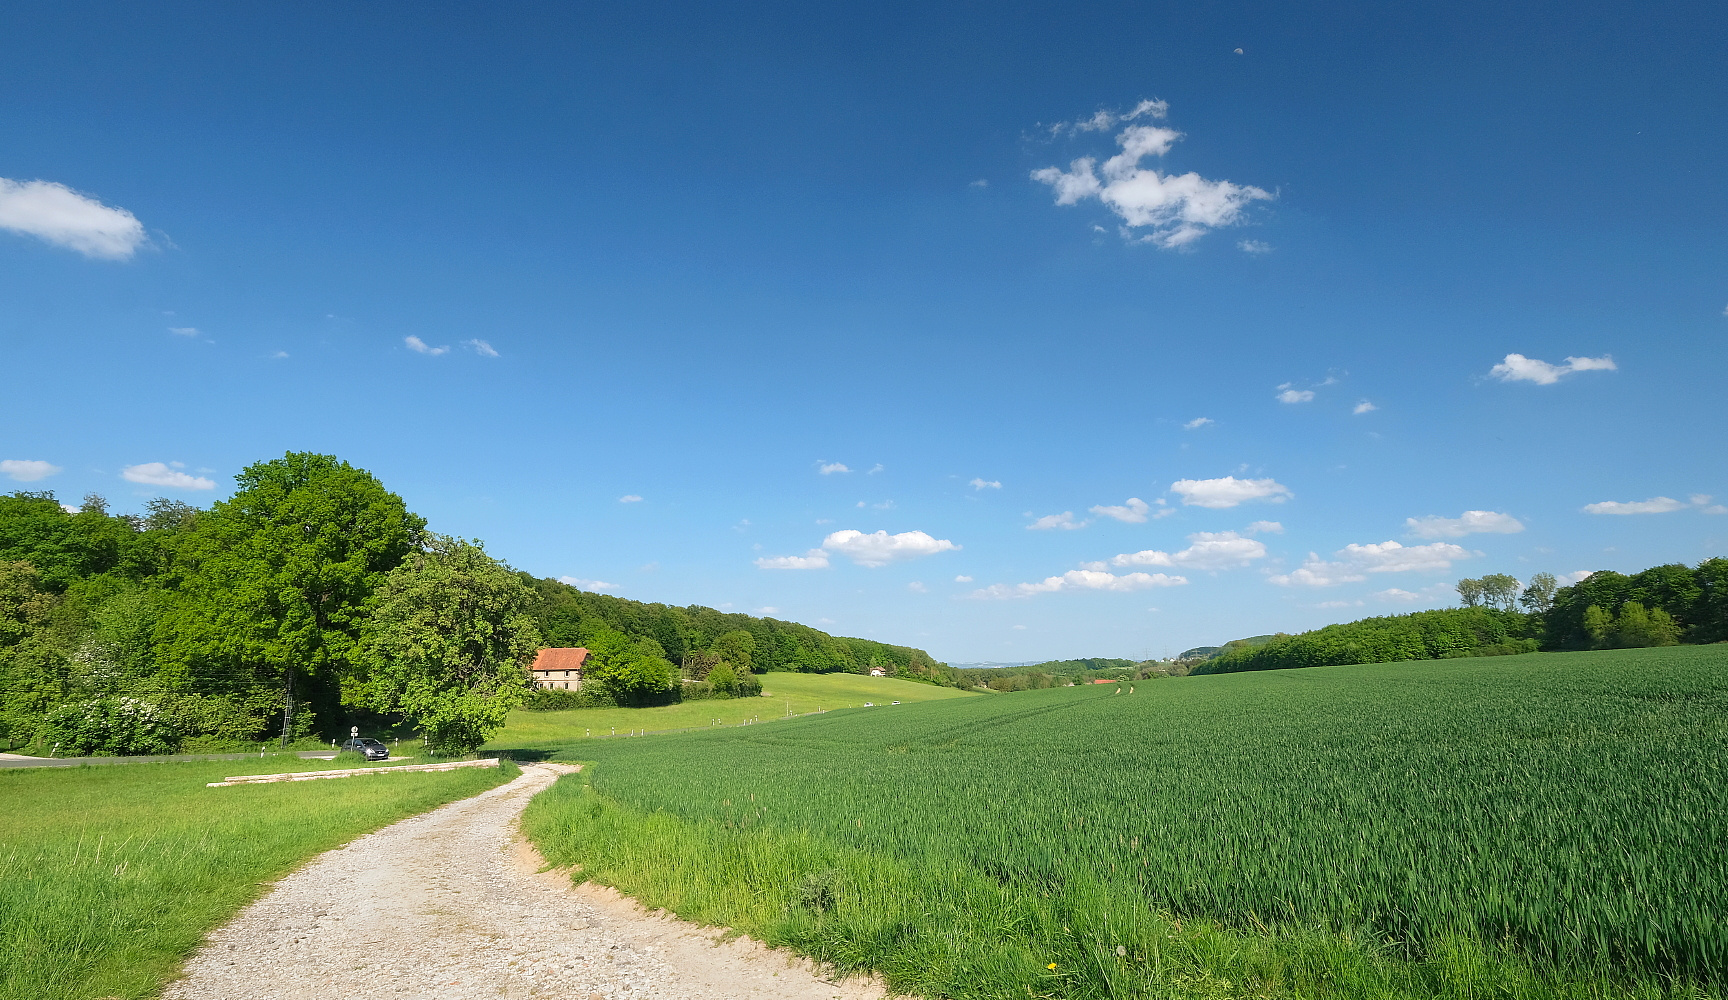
[[373, 749]]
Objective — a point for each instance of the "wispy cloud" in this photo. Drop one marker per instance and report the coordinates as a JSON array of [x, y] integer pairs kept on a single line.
[[1353, 562], [481, 348], [1197, 423], [27, 470], [1364, 407], [183, 331], [581, 584], [160, 474], [830, 468], [1518, 368], [1654, 505], [1471, 522], [1080, 579], [419, 346], [1296, 396], [1255, 247], [873, 549], [814, 559], [1174, 210], [1057, 522], [1103, 120], [1207, 550], [630, 498], [979, 483], [1229, 491], [1135, 511], [59, 215], [1264, 528]]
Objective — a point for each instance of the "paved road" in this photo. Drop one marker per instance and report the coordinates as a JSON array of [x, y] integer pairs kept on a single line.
[[448, 905], [19, 760]]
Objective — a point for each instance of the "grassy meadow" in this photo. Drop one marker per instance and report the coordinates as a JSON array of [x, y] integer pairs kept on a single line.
[[110, 876], [782, 693], [1546, 825]]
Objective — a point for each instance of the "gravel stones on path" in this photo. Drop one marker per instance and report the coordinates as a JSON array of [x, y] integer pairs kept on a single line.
[[449, 905]]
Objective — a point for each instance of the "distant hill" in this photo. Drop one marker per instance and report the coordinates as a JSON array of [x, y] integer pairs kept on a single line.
[[1208, 652]]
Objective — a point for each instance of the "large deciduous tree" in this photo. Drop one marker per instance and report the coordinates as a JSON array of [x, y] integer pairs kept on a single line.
[[279, 579], [449, 644]]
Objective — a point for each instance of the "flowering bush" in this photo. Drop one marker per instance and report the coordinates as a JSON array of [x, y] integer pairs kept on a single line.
[[117, 726]]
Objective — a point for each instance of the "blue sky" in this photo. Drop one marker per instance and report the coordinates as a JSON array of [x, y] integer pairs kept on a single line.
[[529, 262]]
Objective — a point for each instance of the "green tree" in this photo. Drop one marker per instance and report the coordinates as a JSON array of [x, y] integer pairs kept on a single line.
[[1598, 625], [723, 679], [1500, 590], [1470, 591], [1538, 594], [278, 579], [449, 644], [735, 647], [631, 670]]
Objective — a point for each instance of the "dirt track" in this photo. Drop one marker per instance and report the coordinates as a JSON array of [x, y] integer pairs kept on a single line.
[[448, 906]]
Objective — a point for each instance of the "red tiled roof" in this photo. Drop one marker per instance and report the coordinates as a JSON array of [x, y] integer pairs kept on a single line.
[[560, 659]]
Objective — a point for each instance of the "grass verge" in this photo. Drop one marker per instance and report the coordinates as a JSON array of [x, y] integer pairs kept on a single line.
[[782, 694], [111, 876]]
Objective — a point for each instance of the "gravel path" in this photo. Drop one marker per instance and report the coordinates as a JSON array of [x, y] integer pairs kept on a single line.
[[448, 906]]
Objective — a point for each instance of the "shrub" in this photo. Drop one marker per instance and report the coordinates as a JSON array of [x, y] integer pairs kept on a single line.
[[108, 726]]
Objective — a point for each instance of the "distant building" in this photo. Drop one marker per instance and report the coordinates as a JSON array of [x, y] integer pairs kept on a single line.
[[559, 669], [878, 672]]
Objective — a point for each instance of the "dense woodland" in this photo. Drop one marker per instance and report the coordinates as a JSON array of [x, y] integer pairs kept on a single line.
[[313, 600], [1661, 606]]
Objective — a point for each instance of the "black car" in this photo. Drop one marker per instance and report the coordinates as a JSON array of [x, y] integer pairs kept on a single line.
[[373, 749]]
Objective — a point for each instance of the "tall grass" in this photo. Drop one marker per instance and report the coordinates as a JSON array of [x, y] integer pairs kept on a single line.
[[1545, 825], [110, 876]]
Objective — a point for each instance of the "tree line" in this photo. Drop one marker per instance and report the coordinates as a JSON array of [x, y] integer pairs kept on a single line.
[[313, 600], [1661, 606]]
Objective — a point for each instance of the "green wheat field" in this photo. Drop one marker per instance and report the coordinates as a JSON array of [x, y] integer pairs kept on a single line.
[[1538, 825]]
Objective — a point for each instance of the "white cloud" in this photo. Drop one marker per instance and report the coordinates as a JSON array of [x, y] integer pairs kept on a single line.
[[814, 559], [27, 470], [1518, 368], [159, 474], [59, 215], [1364, 407], [1063, 521], [878, 467], [980, 483], [1175, 209], [1471, 522], [581, 584], [183, 331], [917, 587], [767, 609], [1197, 423], [1296, 396], [481, 348], [1255, 247], [1135, 511], [629, 498], [1439, 591], [1654, 505], [1354, 561], [419, 346], [879, 548], [1207, 550], [1715, 508], [962, 578], [1104, 120], [1081, 579], [1229, 491], [829, 468], [1576, 576], [979, 183], [277, 355], [1264, 528]]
